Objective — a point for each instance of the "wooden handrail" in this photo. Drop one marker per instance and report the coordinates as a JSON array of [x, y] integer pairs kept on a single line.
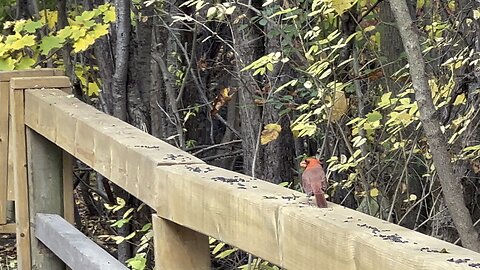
[[264, 219]]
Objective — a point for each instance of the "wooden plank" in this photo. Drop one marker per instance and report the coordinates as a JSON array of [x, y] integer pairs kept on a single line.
[[71, 246], [5, 76], [4, 99], [177, 247], [11, 145], [20, 175], [68, 201], [45, 181], [40, 82], [7, 228], [267, 220]]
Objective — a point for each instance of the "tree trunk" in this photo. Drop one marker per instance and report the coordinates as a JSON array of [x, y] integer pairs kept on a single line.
[[451, 186], [119, 102], [278, 154], [248, 45], [119, 92]]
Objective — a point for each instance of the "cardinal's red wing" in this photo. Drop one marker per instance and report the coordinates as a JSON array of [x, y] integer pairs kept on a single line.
[[314, 180]]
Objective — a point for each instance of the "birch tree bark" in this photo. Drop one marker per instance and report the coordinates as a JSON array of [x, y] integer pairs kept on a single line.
[[451, 186]]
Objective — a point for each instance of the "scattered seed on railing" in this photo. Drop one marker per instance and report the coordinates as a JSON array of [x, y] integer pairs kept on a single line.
[[474, 265], [427, 249], [147, 146], [290, 197], [458, 261], [228, 180], [393, 237], [375, 230], [177, 156]]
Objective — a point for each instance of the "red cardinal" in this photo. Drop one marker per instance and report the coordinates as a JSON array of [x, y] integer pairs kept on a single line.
[[314, 181]]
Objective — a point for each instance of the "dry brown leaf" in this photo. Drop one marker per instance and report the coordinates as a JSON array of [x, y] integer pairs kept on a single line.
[[223, 98]]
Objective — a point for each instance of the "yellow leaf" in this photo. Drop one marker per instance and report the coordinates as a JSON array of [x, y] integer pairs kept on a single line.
[[92, 89], [51, 18], [459, 100], [109, 15], [476, 14], [83, 43], [270, 133], [340, 6], [24, 41], [340, 106], [374, 192], [100, 30]]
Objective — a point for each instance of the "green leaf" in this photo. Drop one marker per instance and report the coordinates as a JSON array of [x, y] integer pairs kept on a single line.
[[218, 247], [146, 227], [31, 26], [86, 15], [49, 43], [139, 262], [25, 63], [7, 63], [225, 253], [374, 116], [211, 12]]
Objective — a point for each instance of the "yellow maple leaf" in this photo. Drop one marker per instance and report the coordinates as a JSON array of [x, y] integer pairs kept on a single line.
[[100, 30], [83, 43], [340, 6], [270, 133], [92, 89], [109, 15]]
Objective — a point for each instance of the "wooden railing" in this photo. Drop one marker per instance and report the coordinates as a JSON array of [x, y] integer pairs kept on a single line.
[[192, 200]]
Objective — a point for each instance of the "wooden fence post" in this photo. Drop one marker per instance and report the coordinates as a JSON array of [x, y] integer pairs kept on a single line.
[[45, 180], [178, 247], [17, 110]]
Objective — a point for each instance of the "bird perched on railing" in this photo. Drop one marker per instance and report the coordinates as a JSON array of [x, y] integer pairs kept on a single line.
[[314, 181]]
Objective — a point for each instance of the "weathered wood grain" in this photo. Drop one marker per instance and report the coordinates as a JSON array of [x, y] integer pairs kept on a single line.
[[7, 228], [4, 99], [45, 183], [71, 246], [68, 200], [5, 76], [40, 82], [267, 220], [177, 247], [17, 111]]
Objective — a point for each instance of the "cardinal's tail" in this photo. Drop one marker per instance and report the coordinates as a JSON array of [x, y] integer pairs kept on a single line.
[[321, 201]]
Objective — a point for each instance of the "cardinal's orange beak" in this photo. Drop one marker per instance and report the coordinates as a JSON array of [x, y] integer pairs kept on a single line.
[[303, 164]]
